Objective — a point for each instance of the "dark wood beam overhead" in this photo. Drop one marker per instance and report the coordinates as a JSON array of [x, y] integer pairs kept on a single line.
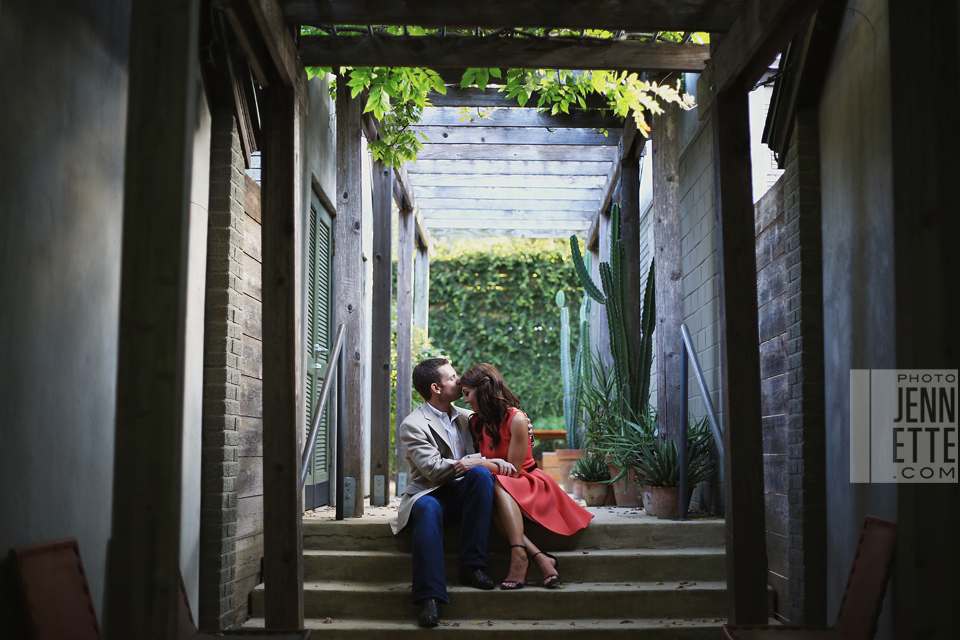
[[761, 32], [629, 15], [490, 97], [279, 41], [516, 52]]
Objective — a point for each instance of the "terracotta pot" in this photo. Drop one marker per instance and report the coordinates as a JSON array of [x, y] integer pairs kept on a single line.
[[666, 502], [611, 496], [595, 493], [647, 492], [566, 458], [625, 489], [577, 489]]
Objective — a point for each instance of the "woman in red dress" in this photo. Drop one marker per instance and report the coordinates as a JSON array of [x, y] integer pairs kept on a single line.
[[500, 429]]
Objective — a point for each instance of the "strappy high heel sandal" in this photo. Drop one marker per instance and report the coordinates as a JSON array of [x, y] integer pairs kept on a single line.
[[513, 585], [553, 580]]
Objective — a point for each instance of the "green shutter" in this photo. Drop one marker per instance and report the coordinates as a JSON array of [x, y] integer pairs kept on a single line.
[[319, 264]]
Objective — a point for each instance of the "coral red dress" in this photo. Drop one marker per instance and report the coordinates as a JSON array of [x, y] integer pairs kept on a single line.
[[539, 496]]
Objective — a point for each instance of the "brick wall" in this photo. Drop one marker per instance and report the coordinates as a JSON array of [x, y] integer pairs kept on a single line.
[[789, 296], [221, 377], [772, 316], [701, 310], [806, 453]]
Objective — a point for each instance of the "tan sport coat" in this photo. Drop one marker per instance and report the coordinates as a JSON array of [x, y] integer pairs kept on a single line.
[[429, 455]]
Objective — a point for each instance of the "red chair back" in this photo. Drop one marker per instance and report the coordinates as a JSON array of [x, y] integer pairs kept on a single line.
[[867, 584], [55, 592]]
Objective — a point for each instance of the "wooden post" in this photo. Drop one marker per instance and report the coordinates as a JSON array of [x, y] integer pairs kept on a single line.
[[282, 356], [405, 249], [421, 288], [739, 361], [381, 330], [668, 269], [630, 232], [143, 584], [348, 283]]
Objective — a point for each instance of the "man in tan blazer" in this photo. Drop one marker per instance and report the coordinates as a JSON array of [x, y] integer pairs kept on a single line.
[[445, 487]]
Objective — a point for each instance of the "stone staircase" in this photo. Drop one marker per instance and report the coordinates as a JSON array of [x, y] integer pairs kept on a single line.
[[626, 574]]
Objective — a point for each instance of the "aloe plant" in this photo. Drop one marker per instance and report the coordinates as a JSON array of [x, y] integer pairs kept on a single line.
[[659, 462], [631, 365], [572, 372]]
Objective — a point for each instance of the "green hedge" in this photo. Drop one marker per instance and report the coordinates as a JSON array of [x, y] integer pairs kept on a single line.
[[493, 301]]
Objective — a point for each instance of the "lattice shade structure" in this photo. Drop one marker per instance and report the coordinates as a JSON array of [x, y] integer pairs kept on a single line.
[[512, 171]]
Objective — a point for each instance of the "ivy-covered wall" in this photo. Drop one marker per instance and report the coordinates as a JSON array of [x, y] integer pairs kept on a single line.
[[492, 301]]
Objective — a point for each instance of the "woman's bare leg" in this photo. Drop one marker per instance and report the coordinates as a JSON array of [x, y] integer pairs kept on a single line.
[[509, 519]]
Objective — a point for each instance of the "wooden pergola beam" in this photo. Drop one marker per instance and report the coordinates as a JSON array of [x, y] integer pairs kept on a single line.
[[524, 53], [492, 97], [510, 118], [762, 30], [680, 15]]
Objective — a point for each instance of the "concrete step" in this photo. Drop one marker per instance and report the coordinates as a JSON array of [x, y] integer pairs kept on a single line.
[[610, 529], [587, 601], [494, 629], [596, 565]]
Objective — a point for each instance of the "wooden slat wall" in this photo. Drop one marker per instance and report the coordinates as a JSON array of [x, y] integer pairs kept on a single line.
[[250, 477]]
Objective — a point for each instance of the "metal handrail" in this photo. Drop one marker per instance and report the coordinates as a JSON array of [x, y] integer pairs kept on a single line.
[[321, 403], [691, 353]]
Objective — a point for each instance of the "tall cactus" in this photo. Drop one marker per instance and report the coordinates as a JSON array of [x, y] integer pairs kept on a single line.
[[572, 372], [632, 369]]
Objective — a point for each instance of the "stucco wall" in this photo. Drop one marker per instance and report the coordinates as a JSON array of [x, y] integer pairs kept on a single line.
[[61, 207], [856, 149], [63, 105]]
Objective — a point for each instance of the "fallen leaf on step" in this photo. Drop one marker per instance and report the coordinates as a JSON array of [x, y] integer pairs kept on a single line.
[[476, 623], [328, 621], [597, 622], [586, 553], [573, 624], [489, 624], [626, 622], [658, 582]]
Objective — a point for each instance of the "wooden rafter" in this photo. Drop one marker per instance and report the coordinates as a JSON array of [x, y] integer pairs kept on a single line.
[[529, 53], [629, 15], [453, 117], [493, 97], [762, 30]]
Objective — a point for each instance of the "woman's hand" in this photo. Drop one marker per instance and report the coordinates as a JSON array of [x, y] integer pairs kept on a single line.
[[504, 468], [495, 465]]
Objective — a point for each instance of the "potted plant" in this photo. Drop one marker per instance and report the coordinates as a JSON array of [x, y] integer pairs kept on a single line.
[[591, 471], [658, 466]]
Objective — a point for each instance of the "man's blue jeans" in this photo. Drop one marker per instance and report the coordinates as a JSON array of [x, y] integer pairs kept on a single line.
[[467, 501]]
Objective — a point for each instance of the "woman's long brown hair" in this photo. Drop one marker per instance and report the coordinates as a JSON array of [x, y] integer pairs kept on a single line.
[[493, 399]]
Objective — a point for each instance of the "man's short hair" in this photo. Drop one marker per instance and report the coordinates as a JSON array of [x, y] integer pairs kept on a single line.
[[427, 373]]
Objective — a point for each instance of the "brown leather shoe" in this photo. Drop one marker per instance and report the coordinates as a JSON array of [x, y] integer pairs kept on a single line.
[[429, 613]]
